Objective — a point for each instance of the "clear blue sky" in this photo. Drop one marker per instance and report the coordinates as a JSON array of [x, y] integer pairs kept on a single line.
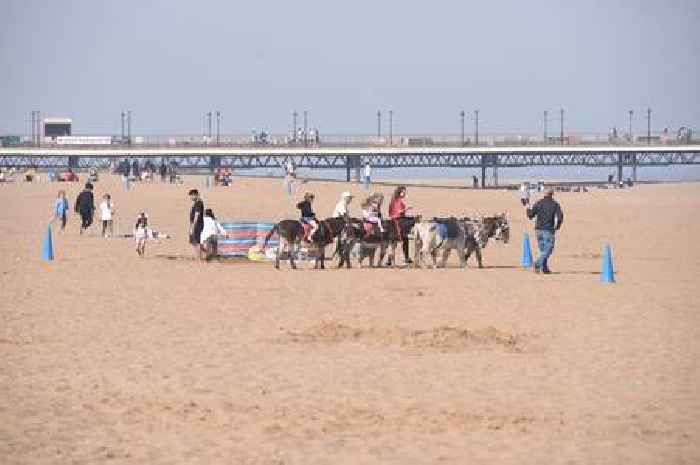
[[172, 61]]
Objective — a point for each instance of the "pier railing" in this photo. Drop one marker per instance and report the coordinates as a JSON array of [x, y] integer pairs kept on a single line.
[[348, 140]]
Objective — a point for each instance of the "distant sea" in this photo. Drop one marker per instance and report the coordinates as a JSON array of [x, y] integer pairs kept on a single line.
[[532, 174]]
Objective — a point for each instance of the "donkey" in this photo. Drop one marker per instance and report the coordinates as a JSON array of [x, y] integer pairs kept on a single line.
[[291, 233], [440, 234], [357, 242], [478, 234], [365, 245]]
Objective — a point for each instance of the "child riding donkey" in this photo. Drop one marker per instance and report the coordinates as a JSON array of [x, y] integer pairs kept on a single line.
[[372, 215], [308, 217]]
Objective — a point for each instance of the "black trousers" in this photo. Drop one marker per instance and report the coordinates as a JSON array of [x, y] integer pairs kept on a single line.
[[404, 246], [86, 218]]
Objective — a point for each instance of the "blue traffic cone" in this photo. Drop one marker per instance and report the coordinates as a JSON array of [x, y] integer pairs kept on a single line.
[[607, 275], [526, 260], [47, 250]]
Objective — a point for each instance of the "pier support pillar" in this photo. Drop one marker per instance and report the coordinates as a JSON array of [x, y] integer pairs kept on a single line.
[[73, 162], [483, 170], [620, 161], [634, 167], [357, 163], [495, 170], [214, 162]]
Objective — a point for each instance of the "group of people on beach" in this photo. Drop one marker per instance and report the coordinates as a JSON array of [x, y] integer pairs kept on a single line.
[[135, 172], [85, 208], [204, 228], [371, 213]]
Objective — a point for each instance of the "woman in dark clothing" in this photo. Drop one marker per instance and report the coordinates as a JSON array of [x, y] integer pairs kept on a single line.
[[85, 206], [196, 222]]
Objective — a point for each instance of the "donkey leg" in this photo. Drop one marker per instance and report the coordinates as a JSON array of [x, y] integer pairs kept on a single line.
[[477, 249], [460, 254], [382, 255], [445, 256], [291, 255], [280, 248]]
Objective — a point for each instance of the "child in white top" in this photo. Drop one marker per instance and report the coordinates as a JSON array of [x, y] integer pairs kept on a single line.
[[106, 212], [210, 231], [141, 233]]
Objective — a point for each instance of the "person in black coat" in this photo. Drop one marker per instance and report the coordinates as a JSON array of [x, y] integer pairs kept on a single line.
[[85, 207]]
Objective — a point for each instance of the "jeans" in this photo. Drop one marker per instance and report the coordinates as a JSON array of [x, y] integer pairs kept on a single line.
[[545, 243], [367, 182]]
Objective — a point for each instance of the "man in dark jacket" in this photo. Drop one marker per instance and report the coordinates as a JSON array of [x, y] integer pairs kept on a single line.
[[549, 219], [85, 206]]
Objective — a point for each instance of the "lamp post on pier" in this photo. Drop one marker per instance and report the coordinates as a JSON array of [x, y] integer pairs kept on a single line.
[[379, 124], [208, 116], [128, 127], [306, 126], [561, 126], [648, 126], [461, 116], [476, 127], [218, 127], [294, 126], [391, 126], [546, 120], [631, 112]]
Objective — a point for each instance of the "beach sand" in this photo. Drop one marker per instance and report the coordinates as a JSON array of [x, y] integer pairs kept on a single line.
[[106, 357]]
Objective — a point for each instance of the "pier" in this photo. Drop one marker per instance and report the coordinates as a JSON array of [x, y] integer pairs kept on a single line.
[[353, 158]]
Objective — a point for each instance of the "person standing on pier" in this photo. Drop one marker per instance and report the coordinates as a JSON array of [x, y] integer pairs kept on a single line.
[[549, 220]]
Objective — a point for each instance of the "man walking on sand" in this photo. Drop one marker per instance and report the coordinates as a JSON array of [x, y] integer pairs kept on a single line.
[[85, 206], [549, 219]]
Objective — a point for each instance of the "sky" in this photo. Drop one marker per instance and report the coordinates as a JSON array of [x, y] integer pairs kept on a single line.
[[170, 62]]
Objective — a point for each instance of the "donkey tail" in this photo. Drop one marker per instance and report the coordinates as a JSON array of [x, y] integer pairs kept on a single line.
[[274, 229]]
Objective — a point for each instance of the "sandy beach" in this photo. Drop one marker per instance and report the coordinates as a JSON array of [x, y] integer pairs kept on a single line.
[[106, 357]]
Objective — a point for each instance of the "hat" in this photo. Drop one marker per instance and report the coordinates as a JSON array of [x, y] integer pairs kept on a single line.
[[346, 195]]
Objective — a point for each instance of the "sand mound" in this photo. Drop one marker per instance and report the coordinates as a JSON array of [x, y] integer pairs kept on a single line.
[[444, 338]]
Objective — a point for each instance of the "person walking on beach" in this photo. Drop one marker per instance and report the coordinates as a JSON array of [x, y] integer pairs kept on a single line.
[[106, 214], [368, 175], [525, 194], [141, 233], [163, 170], [550, 217], [85, 206], [196, 222], [61, 209]]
